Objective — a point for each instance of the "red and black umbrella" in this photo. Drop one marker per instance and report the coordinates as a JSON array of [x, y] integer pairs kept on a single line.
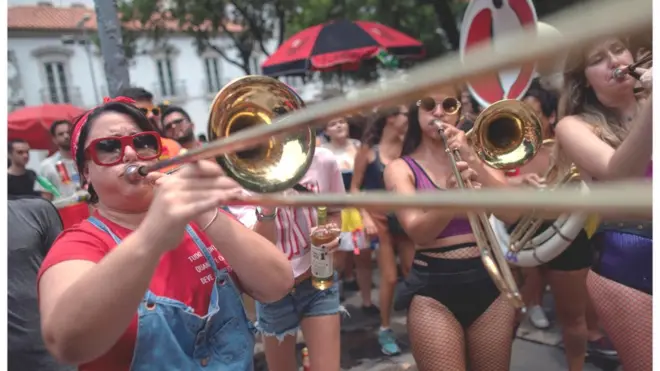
[[328, 45]]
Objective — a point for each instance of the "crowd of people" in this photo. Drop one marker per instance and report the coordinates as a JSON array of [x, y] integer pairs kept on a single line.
[[157, 276]]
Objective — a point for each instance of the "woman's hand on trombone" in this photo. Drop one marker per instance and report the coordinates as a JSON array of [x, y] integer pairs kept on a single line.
[[646, 78], [468, 175], [457, 140], [192, 194]]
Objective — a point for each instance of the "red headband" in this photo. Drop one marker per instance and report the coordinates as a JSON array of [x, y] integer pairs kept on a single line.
[[82, 121]]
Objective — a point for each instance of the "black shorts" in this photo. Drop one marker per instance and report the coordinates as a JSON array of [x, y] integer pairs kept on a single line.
[[463, 286], [578, 255]]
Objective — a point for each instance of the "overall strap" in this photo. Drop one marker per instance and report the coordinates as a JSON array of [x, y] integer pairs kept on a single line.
[[422, 180], [202, 247], [100, 225]]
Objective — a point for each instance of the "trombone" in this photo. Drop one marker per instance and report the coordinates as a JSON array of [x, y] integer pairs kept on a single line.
[[295, 126], [246, 103], [505, 135], [631, 69]]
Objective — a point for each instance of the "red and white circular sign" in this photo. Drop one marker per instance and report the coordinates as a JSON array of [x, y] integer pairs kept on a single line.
[[487, 21]]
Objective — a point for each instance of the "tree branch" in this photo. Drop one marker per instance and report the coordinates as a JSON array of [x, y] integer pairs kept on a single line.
[[225, 30], [447, 22], [281, 19], [254, 27], [241, 65]]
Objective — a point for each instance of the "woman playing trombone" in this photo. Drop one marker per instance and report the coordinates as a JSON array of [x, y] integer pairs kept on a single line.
[[159, 255], [456, 315], [606, 131]]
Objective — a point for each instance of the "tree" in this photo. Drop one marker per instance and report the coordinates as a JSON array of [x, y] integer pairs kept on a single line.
[[249, 25]]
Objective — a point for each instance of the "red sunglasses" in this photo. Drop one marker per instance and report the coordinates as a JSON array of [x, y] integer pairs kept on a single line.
[[450, 105], [109, 151]]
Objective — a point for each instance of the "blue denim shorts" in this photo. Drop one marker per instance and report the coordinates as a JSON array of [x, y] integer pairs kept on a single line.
[[283, 317]]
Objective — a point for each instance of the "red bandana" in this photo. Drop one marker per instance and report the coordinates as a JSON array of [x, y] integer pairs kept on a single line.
[[82, 121]]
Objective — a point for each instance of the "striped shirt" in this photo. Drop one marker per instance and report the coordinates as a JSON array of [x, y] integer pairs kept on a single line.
[[294, 225]]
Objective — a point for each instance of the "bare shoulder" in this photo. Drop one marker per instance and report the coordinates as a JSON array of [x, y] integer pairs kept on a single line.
[[397, 168], [569, 123], [573, 129]]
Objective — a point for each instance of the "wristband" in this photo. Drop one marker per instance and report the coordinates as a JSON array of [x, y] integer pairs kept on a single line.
[[264, 217]]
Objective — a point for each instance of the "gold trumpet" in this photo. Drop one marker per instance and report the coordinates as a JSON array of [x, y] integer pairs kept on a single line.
[[530, 224], [505, 135]]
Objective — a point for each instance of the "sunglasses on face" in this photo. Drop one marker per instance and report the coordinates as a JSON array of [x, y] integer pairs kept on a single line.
[[109, 151], [154, 111], [450, 105]]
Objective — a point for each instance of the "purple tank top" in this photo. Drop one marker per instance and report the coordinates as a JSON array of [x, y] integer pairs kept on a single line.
[[423, 182], [649, 170]]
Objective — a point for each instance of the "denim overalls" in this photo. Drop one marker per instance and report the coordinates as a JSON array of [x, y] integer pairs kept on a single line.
[[171, 337]]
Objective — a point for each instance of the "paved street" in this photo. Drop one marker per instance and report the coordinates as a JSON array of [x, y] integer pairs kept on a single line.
[[532, 350]]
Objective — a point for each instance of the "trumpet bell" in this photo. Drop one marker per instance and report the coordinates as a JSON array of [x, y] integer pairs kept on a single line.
[[260, 100], [507, 134]]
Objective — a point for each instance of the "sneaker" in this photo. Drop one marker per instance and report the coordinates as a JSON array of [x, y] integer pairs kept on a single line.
[[537, 317], [603, 347], [387, 342]]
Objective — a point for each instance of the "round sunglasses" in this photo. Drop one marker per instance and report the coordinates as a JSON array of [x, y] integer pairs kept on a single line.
[[109, 151], [154, 111], [450, 105]]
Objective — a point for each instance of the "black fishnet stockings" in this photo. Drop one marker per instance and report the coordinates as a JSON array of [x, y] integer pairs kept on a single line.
[[439, 342], [626, 315]]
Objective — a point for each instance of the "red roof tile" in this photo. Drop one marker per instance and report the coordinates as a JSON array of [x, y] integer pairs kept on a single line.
[[43, 17]]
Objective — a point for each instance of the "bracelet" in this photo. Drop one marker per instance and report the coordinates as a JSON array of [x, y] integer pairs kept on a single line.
[[261, 217], [215, 216]]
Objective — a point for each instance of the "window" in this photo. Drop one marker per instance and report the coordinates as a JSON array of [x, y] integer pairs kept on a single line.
[[57, 86], [213, 77], [166, 81]]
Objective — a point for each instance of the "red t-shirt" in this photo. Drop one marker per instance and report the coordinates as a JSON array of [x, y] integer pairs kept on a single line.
[[183, 274]]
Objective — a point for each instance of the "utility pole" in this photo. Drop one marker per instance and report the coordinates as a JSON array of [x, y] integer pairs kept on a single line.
[[81, 26], [112, 49]]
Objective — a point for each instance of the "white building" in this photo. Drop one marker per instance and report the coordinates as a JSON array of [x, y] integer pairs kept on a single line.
[[48, 63]]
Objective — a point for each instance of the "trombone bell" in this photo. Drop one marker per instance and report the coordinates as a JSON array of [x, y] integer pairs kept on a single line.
[[260, 100], [507, 134]]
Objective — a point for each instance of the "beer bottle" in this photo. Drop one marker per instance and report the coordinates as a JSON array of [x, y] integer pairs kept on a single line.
[[305, 359], [322, 262]]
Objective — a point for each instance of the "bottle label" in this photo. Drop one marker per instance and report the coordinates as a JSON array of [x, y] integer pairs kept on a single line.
[[322, 266]]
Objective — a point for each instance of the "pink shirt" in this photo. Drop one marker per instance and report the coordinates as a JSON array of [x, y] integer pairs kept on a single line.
[[294, 225]]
